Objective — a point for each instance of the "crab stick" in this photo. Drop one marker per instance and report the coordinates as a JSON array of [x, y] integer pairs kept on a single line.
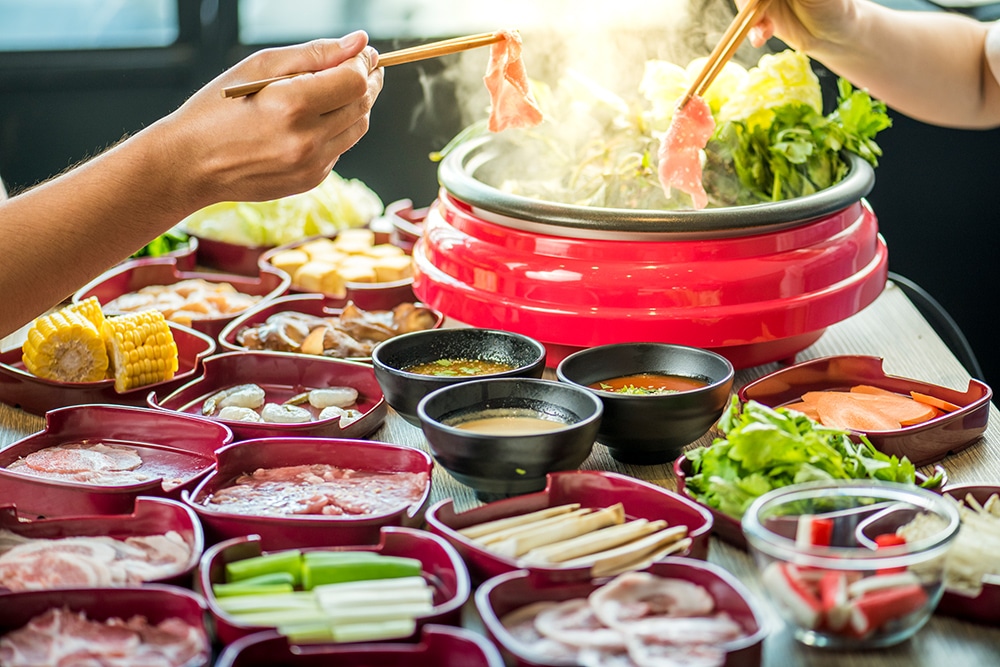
[[833, 596], [813, 531], [784, 583], [876, 608]]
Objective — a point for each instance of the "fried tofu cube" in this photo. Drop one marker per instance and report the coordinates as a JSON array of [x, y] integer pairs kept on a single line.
[[319, 276], [358, 269], [289, 261], [390, 269], [317, 247], [384, 250], [354, 241]]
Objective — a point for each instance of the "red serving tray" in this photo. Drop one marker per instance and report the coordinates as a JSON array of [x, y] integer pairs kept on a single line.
[[438, 646], [281, 375], [36, 395], [641, 500], [152, 516], [442, 566], [288, 532], [167, 439], [985, 607], [924, 443], [318, 305], [156, 602], [507, 592], [135, 274]]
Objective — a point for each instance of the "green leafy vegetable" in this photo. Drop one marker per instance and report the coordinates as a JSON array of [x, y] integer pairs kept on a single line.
[[767, 448], [162, 244]]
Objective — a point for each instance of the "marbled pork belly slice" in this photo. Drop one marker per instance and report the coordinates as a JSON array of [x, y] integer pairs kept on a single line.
[[640, 595], [512, 104], [680, 150]]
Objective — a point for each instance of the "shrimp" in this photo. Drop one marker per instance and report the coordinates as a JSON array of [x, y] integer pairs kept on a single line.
[[340, 397], [243, 396], [285, 414], [237, 414], [345, 416]]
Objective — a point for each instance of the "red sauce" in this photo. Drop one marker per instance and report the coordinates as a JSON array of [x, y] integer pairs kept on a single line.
[[649, 383]]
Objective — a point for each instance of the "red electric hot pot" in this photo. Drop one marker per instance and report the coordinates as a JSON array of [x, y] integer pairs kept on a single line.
[[755, 283]]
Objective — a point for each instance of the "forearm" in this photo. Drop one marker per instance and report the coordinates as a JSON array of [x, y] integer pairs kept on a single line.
[[63, 233], [929, 65]]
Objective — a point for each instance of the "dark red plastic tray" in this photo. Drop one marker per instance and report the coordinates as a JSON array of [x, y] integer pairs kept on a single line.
[[985, 607], [152, 516], [441, 564], [288, 532], [281, 375], [20, 388], [368, 296], [138, 273], [641, 500], [184, 441], [439, 646], [318, 305], [507, 592], [156, 602], [924, 443]]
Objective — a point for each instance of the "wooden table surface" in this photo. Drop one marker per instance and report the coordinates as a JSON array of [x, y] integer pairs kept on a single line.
[[890, 328]]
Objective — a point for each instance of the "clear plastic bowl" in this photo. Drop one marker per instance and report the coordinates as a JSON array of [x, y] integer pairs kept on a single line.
[[829, 566]]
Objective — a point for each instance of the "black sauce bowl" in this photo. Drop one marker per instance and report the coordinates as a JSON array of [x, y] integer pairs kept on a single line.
[[403, 390], [652, 428], [497, 466]]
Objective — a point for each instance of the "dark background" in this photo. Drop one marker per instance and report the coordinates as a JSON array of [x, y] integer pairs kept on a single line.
[[936, 191]]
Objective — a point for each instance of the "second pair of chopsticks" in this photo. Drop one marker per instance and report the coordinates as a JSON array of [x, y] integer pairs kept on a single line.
[[737, 31], [409, 55]]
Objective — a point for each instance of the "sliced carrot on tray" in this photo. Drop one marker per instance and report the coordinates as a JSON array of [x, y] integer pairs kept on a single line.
[[934, 401], [808, 409], [841, 409], [872, 390], [903, 409]]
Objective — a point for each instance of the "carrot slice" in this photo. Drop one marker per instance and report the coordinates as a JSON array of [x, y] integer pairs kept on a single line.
[[899, 408], [808, 409], [872, 389], [934, 401], [841, 409]]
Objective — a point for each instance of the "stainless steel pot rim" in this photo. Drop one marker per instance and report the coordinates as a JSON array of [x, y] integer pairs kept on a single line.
[[457, 171]]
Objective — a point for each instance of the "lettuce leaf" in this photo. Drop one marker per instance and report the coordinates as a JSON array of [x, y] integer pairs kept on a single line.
[[766, 448]]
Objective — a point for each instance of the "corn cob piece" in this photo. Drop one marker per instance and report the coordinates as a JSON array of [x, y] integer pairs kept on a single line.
[[141, 349], [67, 346]]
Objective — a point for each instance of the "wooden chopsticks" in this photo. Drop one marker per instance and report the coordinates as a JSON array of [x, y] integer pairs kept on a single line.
[[737, 31], [409, 55]]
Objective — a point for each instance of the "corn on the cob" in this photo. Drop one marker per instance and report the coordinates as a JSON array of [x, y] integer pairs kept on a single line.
[[141, 349], [67, 345]]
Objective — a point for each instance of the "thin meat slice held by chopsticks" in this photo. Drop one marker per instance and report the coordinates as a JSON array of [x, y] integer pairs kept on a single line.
[[512, 104], [680, 150]]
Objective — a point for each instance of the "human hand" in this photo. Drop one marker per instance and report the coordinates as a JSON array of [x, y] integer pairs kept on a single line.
[[283, 139], [805, 24]]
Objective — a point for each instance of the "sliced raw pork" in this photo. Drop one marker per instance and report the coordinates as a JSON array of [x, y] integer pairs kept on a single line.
[[512, 104], [680, 150]]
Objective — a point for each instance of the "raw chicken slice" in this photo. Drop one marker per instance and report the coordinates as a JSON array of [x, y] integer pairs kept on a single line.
[[512, 104], [680, 150]]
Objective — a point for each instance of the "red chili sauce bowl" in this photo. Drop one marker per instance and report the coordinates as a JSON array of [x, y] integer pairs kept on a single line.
[[302, 530], [438, 645], [151, 516], [923, 443], [985, 607], [317, 305], [135, 274], [589, 488], [282, 375], [443, 569], [729, 528], [22, 389], [155, 602], [177, 451], [513, 590]]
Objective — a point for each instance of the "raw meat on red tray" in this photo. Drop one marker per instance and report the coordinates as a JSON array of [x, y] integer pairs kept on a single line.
[[513, 105], [680, 150], [37, 564], [64, 637]]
